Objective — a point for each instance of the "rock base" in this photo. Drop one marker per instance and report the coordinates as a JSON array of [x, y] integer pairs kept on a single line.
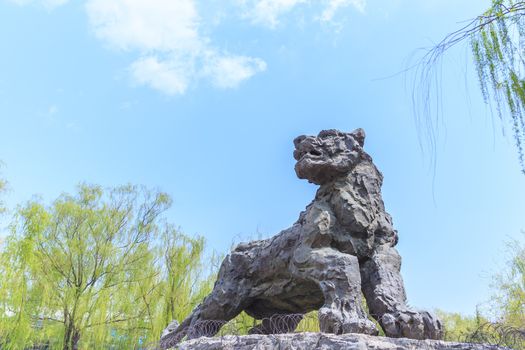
[[323, 341]]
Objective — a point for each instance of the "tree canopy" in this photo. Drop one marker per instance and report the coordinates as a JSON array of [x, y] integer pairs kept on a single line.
[[504, 317], [509, 284], [94, 269]]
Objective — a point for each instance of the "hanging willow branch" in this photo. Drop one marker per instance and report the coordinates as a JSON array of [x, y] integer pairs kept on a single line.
[[497, 40]]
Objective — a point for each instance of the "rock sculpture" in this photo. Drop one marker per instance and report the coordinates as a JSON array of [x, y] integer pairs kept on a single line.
[[342, 246]]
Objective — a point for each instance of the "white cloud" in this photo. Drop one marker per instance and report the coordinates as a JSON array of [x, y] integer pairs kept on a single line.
[[269, 12], [335, 5], [168, 76], [173, 53], [229, 71], [146, 24]]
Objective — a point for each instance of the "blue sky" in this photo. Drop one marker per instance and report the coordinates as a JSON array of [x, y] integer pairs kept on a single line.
[[203, 98]]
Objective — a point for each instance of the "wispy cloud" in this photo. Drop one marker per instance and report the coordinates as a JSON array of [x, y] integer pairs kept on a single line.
[[50, 114], [173, 53], [229, 71], [171, 76], [334, 6], [52, 110], [269, 12]]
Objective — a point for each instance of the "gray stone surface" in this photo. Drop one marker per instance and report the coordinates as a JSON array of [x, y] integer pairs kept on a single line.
[[171, 328], [320, 341], [342, 246]]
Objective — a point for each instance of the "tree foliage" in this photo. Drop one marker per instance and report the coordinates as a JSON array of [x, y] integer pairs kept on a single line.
[[509, 284], [184, 281], [498, 48], [96, 269], [458, 327], [505, 324], [497, 39]]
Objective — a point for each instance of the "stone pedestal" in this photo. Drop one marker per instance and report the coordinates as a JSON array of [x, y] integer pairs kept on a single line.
[[323, 341]]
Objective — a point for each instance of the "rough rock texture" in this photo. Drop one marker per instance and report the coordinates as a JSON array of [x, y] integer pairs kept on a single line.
[[171, 328], [320, 341], [341, 245]]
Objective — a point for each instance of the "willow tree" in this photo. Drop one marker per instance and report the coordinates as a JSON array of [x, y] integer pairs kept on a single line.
[[497, 40], [70, 270], [509, 284], [183, 280], [184, 286]]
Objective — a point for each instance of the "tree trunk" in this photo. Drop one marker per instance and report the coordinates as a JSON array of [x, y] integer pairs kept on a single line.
[[76, 339], [71, 337], [67, 331]]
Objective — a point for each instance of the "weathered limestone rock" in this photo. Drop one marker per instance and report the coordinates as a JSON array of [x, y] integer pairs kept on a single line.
[[341, 245], [320, 341]]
